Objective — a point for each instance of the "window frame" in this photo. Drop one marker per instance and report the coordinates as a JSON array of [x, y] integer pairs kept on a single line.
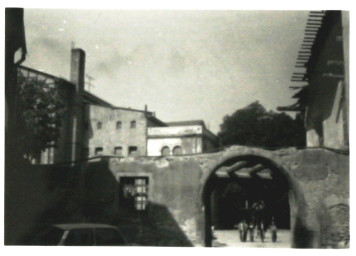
[[118, 125], [149, 185]]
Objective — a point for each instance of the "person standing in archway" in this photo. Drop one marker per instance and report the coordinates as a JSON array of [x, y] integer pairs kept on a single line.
[[257, 215]]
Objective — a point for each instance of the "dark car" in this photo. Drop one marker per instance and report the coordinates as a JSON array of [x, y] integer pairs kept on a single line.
[[78, 234]]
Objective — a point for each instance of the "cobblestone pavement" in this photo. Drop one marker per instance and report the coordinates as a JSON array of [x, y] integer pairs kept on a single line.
[[230, 238]]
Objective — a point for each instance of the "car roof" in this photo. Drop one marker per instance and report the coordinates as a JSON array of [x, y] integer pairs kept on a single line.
[[69, 226]]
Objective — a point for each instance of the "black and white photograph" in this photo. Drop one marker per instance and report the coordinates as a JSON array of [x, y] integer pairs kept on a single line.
[[176, 128]]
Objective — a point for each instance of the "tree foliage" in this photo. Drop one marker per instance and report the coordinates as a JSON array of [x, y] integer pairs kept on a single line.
[[255, 126], [42, 109]]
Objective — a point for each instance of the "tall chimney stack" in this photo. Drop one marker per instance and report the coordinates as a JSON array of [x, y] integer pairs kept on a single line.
[[77, 76], [77, 69]]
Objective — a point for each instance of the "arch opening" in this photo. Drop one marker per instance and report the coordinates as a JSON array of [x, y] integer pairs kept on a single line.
[[165, 151], [230, 196]]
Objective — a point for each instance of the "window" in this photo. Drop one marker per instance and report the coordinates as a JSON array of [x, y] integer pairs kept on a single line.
[[133, 124], [108, 236], [99, 125], [118, 151], [133, 151], [80, 237], [99, 151], [165, 151], [134, 192], [141, 187], [118, 125], [177, 151]]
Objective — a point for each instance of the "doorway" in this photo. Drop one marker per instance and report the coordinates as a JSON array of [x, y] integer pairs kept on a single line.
[[230, 196]]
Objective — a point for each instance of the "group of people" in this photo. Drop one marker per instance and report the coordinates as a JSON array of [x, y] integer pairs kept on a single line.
[[252, 219]]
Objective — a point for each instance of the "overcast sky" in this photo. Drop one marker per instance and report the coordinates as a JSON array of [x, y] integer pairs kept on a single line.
[[183, 64]]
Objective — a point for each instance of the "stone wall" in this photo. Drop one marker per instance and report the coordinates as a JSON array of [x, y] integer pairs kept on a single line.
[[318, 182]]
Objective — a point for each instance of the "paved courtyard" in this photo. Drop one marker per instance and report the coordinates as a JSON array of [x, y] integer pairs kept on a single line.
[[230, 238]]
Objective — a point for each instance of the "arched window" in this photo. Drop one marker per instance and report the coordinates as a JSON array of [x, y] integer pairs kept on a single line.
[[177, 151], [165, 151], [118, 125]]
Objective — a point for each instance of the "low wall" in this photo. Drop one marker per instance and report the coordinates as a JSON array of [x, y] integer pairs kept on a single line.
[[318, 181]]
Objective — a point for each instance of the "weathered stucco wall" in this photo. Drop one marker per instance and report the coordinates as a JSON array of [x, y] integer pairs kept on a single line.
[[329, 114], [109, 136], [318, 181], [327, 95], [175, 130], [188, 137]]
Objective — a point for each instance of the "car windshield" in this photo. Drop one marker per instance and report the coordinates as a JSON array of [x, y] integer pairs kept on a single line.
[[108, 236]]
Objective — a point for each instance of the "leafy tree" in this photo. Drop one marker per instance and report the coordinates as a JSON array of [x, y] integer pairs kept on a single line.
[[42, 109], [255, 126]]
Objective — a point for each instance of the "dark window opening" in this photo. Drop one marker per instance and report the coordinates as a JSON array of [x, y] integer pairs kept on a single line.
[[118, 151], [118, 125], [99, 151], [133, 124], [99, 125], [133, 151]]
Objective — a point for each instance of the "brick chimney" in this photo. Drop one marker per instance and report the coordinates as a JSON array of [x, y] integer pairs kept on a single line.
[[77, 69], [77, 76]]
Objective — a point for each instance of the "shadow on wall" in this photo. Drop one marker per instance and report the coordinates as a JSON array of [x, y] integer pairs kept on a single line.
[[36, 196], [155, 226], [302, 237]]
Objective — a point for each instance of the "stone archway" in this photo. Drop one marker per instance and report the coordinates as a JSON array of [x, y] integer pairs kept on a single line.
[[258, 167]]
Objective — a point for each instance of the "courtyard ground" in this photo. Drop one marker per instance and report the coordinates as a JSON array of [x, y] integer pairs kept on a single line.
[[230, 238]]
